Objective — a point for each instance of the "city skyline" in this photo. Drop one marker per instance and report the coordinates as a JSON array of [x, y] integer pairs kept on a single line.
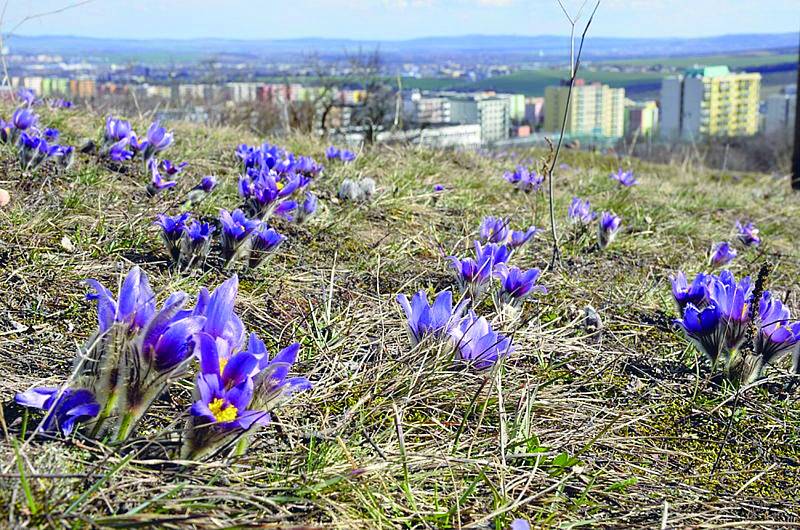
[[390, 20]]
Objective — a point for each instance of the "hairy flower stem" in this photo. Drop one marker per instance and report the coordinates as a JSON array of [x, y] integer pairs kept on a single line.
[[241, 446], [105, 414], [127, 424]]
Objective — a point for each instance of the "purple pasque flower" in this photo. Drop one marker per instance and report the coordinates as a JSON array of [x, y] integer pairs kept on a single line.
[[474, 274], [524, 179], [517, 285], [438, 188], [195, 243], [263, 242], [733, 301], [172, 226], [346, 156], [235, 393], [117, 130], [426, 320], [201, 190], [158, 182], [50, 134], [307, 208], [695, 293], [232, 366], [580, 211], [778, 335], [343, 155], [65, 157], [208, 183], [34, 150], [520, 524], [264, 190], [332, 153], [119, 151], [307, 166], [624, 178], [477, 344], [704, 329], [159, 354], [171, 231], [513, 177], [27, 96], [721, 254], [135, 305], [236, 228], [59, 103], [6, 131], [748, 234], [157, 140], [494, 229], [171, 169], [608, 227], [64, 407], [219, 415], [531, 181], [244, 151], [517, 238], [221, 320], [273, 386], [23, 119]]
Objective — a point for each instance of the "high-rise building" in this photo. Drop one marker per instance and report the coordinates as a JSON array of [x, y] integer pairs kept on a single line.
[[641, 117], [595, 110], [534, 111], [710, 101], [781, 110], [516, 106], [492, 113]]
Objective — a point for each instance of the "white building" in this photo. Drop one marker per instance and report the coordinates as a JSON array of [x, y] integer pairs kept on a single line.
[[461, 136], [781, 110]]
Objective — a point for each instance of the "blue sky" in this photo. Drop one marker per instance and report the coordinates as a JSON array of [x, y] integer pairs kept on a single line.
[[395, 19]]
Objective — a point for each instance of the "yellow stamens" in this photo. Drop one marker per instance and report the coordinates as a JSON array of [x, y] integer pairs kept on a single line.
[[222, 364], [222, 413]]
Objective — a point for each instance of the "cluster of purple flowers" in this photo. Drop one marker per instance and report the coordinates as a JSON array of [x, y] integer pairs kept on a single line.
[[724, 252], [471, 337], [716, 314], [524, 179], [497, 230], [342, 155], [243, 240], [580, 212], [34, 145], [474, 275], [188, 241], [273, 178], [121, 143], [139, 349]]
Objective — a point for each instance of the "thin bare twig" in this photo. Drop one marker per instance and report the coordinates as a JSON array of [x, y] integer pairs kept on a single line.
[[556, 257]]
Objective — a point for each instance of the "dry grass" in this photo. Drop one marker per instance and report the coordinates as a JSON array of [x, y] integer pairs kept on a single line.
[[611, 428]]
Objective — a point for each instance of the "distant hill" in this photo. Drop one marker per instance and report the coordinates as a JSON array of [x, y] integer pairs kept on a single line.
[[510, 48]]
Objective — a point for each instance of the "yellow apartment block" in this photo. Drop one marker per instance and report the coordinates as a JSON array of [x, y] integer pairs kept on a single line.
[[710, 101], [595, 110]]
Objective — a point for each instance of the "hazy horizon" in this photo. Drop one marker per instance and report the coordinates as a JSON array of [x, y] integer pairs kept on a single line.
[[396, 20], [389, 40]]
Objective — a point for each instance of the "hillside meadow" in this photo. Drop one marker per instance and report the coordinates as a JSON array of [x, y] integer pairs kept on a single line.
[[603, 416]]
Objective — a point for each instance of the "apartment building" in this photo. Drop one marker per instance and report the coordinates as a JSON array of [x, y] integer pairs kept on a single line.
[[595, 109], [710, 101]]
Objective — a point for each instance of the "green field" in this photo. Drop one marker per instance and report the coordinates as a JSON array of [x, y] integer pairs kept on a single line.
[[534, 82], [733, 61]]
